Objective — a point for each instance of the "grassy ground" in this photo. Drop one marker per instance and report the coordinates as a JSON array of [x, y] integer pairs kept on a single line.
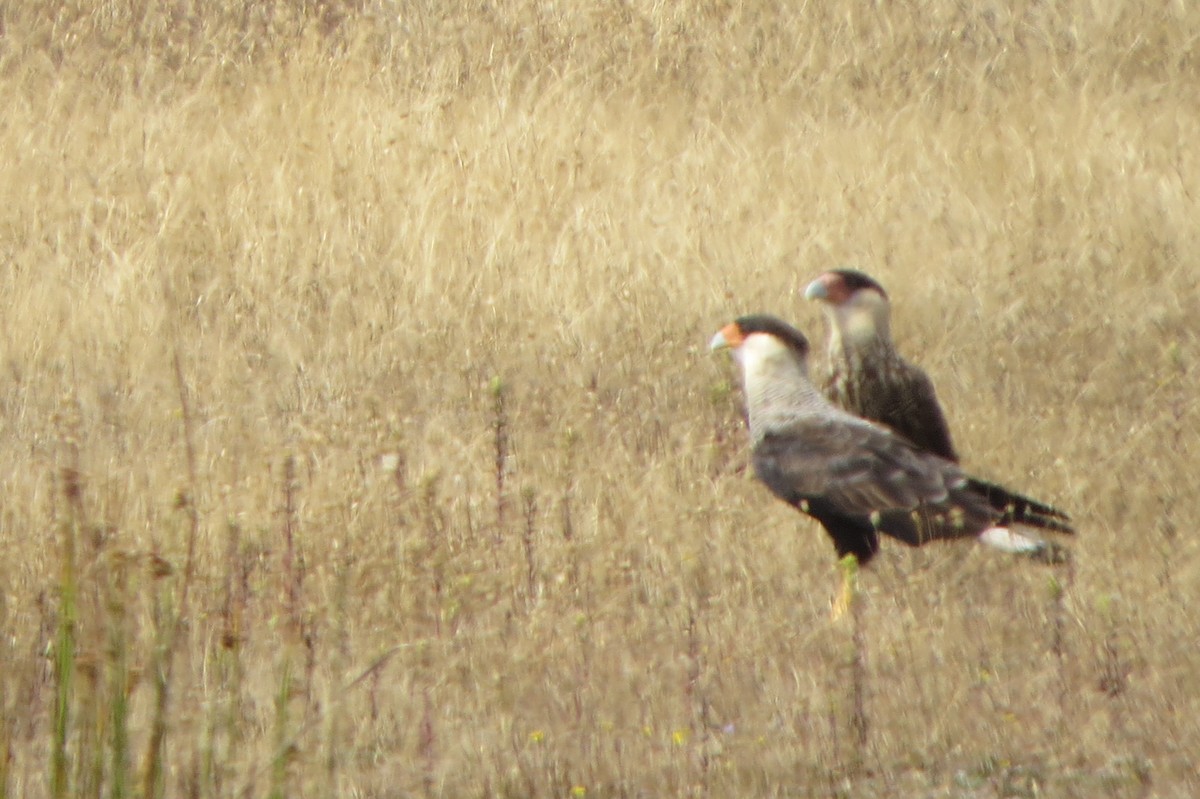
[[360, 437]]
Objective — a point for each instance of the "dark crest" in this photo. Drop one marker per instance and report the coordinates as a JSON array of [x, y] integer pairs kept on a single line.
[[855, 280], [761, 323]]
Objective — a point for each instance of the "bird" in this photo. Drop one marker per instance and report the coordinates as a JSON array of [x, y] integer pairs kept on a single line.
[[857, 478], [869, 378]]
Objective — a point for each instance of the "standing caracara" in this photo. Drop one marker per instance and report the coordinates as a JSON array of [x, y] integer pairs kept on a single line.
[[855, 477], [869, 379]]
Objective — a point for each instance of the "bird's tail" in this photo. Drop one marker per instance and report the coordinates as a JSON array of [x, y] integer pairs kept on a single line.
[[1019, 539], [1016, 509]]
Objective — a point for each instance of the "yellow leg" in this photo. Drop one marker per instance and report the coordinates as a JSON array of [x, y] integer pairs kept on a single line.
[[846, 598]]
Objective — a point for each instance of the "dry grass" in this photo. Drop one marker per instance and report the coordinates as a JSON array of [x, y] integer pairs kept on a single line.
[[286, 281]]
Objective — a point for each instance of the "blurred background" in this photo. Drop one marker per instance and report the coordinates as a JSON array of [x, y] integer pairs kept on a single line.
[[360, 436]]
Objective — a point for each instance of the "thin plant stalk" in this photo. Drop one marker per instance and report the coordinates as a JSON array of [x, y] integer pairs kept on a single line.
[[65, 640], [171, 617]]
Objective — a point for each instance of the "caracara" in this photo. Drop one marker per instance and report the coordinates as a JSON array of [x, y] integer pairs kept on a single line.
[[856, 477], [868, 378]]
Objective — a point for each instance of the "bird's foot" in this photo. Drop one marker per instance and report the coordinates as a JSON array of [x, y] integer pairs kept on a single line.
[[844, 601]]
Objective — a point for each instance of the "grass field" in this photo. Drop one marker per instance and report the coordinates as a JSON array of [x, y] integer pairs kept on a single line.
[[360, 437]]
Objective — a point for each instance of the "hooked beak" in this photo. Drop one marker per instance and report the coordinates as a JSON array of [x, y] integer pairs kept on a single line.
[[728, 337], [817, 290]]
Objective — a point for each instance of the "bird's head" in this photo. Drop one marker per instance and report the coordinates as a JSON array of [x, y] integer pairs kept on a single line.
[[754, 339], [857, 303]]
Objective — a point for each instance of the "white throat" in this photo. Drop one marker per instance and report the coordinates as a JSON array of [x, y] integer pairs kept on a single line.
[[776, 380], [766, 357], [860, 320]]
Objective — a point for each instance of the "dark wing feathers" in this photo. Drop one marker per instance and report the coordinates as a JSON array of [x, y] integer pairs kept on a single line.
[[857, 467], [923, 423], [852, 475], [1016, 508], [918, 415], [891, 391], [900, 396], [908, 405]]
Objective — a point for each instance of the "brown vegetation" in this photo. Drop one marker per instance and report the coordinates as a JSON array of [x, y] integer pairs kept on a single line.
[[360, 438]]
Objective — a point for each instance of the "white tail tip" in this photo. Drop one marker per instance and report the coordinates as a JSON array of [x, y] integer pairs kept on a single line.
[[1009, 540]]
